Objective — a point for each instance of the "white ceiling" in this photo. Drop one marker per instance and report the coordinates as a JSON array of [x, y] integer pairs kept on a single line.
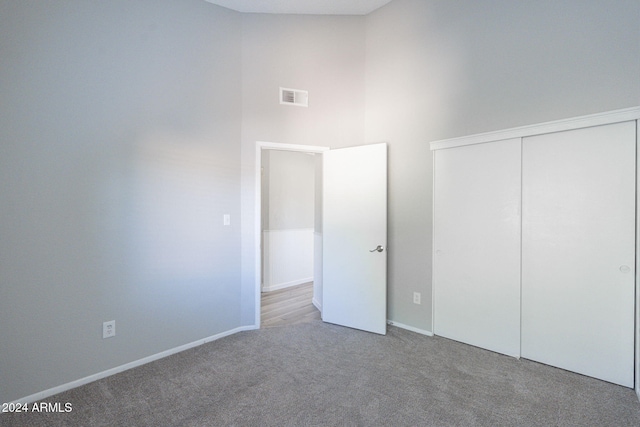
[[310, 7]]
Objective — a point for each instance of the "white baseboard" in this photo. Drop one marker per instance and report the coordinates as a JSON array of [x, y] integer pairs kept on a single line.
[[317, 304], [410, 328], [287, 284], [91, 378]]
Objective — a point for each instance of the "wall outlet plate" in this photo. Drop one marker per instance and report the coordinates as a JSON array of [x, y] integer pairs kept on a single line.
[[109, 329], [416, 297]]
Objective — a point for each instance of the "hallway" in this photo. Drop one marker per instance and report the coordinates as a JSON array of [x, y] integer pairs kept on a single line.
[[288, 306]]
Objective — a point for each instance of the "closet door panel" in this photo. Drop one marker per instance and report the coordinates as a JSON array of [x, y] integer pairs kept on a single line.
[[477, 245], [578, 252]]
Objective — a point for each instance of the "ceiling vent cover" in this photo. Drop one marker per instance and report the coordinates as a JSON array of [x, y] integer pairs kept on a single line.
[[294, 97]]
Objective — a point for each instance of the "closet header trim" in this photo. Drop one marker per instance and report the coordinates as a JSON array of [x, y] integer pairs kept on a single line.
[[609, 117]]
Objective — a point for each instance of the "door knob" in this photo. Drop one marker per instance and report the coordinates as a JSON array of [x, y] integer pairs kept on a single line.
[[379, 248]]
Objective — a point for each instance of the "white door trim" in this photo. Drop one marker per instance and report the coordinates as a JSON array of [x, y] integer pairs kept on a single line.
[[637, 337], [263, 145]]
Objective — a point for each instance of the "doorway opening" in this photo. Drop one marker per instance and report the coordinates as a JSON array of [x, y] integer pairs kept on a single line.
[[292, 279]]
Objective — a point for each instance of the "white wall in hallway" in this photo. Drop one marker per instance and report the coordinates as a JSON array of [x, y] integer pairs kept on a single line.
[[288, 198]]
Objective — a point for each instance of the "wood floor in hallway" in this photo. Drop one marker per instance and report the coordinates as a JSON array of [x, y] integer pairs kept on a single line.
[[288, 306]]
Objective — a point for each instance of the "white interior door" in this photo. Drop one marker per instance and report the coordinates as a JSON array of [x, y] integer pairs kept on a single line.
[[578, 250], [354, 225], [476, 268]]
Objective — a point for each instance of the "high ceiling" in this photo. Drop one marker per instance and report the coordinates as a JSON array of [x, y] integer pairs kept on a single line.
[[311, 7]]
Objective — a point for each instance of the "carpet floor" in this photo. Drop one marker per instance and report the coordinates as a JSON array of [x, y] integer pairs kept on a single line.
[[317, 374]]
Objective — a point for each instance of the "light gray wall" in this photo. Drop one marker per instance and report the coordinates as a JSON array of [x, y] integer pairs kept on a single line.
[[119, 155], [440, 69], [321, 54], [291, 190]]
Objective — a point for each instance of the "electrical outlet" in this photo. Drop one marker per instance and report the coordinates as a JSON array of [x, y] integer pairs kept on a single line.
[[416, 297], [109, 329], [226, 219]]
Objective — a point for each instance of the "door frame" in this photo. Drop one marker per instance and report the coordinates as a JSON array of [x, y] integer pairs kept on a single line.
[[263, 145]]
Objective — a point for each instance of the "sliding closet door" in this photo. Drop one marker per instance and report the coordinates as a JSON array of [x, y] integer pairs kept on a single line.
[[477, 245], [578, 250]]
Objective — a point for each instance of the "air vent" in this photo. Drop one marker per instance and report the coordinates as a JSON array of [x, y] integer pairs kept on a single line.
[[294, 97]]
